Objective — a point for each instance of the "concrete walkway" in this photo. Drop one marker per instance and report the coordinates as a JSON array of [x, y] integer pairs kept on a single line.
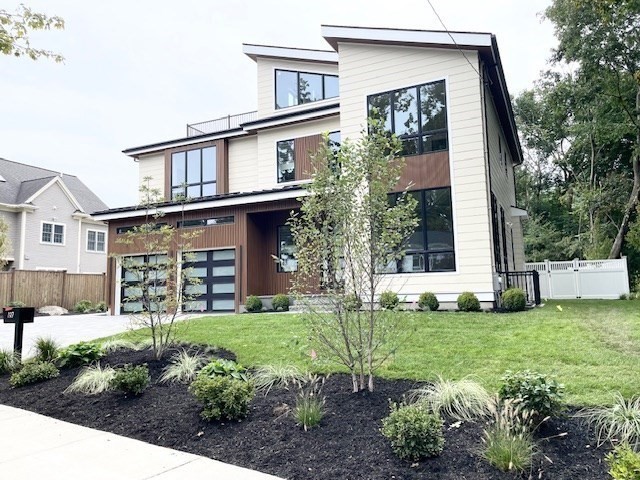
[[35, 446]]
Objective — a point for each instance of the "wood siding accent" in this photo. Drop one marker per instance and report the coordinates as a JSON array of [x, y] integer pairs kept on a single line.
[[222, 164], [304, 149], [430, 170]]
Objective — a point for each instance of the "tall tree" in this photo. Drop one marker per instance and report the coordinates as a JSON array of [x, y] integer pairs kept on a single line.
[[17, 26]]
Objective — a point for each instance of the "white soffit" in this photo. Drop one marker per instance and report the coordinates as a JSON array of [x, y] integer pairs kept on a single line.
[[334, 34], [519, 212], [255, 51]]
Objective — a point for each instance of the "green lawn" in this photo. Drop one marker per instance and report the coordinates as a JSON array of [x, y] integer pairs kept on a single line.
[[592, 346]]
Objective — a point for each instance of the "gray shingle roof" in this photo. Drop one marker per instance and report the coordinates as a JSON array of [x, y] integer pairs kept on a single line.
[[22, 181]]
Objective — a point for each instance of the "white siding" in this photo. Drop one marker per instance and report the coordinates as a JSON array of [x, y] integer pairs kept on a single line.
[[369, 69], [152, 166], [243, 162], [267, 88], [92, 262]]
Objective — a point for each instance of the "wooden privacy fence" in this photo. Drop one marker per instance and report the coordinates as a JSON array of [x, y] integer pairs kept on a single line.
[[37, 288]]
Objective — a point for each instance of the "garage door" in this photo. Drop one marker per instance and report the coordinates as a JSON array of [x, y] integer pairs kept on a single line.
[[215, 291]]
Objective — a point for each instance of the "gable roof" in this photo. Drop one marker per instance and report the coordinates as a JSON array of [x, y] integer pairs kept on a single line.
[[22, 182]]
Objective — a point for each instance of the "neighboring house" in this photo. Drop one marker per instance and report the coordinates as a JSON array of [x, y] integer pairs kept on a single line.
[[443, 94], [50, 222]]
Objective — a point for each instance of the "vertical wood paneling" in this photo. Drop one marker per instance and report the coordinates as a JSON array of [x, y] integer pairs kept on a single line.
[[305, 148], [430, 170]]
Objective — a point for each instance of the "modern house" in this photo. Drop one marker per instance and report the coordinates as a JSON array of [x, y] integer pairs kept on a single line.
[[49, 218], [443, 94]]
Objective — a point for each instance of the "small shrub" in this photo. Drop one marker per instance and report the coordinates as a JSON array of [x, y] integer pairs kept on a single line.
[[224, 368], [428, 301], [183, 367], [413, 431], [33, 372], [17, 304], [266, 377], [92, 380], [46, 349], [100, 306], [624, 296], [619, 422], [389, 300], [624, 463], [463, 399], [468, 302], [310, 403], [222, 397], [8, 361], [352, 302], [83, 306], [280, 302], [81, 353], [514, 300], [253, 304], [133, 379], [537, 393]]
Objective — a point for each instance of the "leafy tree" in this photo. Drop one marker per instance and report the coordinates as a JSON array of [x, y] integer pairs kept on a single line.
[[5, 244], [16, 27], [346, 234]]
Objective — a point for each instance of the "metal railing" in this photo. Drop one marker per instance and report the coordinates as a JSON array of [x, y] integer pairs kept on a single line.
[[529, 282], [220, 124]]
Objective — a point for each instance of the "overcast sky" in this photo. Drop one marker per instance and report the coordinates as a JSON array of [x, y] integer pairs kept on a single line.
[[136, 72]]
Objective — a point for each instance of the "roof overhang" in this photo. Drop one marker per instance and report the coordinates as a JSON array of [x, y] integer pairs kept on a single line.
[[293, 117], [11, 207], [519, 212], [307, 55], [63, 187], [181, 142]]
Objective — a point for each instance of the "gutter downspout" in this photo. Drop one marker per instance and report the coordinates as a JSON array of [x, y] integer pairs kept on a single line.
[[23, 234]]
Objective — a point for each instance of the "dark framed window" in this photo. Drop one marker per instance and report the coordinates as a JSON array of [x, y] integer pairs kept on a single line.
[[430, 248], [297, 88], [194, 173], [207, 222], [286, 250], [505, 252], [285, 151], [95, 241], [496, 233], [417, 115], [131, 228], [52, 233]]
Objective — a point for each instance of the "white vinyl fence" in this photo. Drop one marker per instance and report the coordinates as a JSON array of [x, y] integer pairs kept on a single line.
[[582, 278]]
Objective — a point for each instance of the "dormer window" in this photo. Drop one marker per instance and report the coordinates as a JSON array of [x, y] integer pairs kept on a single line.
[[297, 88], [193, 173]]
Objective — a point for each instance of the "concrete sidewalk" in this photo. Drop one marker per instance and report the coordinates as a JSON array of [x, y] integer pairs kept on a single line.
[[35, 446]]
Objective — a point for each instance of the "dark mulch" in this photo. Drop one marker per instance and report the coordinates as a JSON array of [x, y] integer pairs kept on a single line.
[[347, 445]]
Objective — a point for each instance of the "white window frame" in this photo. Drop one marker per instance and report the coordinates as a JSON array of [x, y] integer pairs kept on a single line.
[[87, 249], [53, 225]]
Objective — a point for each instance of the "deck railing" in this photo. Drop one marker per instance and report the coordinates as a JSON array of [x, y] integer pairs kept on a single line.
[[529, 282], [220, 124]]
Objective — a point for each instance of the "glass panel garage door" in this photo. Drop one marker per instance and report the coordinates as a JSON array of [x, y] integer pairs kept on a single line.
[[140, 272], [216, 270]]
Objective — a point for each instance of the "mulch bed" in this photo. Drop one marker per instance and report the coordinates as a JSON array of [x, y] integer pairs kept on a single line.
[[346, 445]]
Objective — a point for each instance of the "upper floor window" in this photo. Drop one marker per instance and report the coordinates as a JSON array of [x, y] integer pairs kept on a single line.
[[286, 160], [417, 115], [193, 173], [52, 233], [95, 241], [296, 88]]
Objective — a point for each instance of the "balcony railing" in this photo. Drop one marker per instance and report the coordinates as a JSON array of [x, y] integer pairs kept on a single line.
[[220, 124], [529, 282]]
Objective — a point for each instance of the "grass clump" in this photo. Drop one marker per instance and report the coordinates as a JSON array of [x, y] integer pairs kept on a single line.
[[183, 367], [46, 349], [83, 306], [619, 422], [309, 408], [92, 380], [414, 431], [624, 463], [428, 301], [266, 377], [463, 399], [9, 361], [33, 372], [222, 397], [115, 344], [131, 379]]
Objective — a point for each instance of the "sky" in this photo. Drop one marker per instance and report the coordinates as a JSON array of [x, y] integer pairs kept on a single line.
[[136, 72]]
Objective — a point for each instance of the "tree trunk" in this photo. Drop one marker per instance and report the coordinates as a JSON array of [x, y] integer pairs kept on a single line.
[[632, 204], [354, 380]]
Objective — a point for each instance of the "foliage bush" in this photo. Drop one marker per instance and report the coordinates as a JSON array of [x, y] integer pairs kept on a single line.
[[183, 367], [413, 431], [253, 304], [514, 300], [133, 379], [352, 302], [617, 422], [83, 306], [17, 304], [33, 372], [463, 399], [46, 349], [468, 302], [389, 300], [224, 368], [100, 306], [624, 463], [81, 353], [537, 393], [280, 302], [92, 380], [222, 397], [8, 361], [428, 301]]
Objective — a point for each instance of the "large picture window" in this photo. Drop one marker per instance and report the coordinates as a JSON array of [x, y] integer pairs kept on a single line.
[[297, 88], [95, 241], [194, 173], [286, 250], [286, 161], [52, 233], [417, 115], [430, 248]]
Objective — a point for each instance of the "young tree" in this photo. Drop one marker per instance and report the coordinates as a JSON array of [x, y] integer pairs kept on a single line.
[[16, 27], [346, 234], [155, 277]]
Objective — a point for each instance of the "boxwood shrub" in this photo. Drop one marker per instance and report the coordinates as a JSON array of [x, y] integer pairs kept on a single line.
[[413, 431], [514, 300], [389, 300], [468, 302], [222, 396], [253, 304], [280, 302], [133, 379], [33, 372], [428, 301]]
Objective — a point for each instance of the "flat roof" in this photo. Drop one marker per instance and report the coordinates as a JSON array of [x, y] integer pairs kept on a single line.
[[306, 54]]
